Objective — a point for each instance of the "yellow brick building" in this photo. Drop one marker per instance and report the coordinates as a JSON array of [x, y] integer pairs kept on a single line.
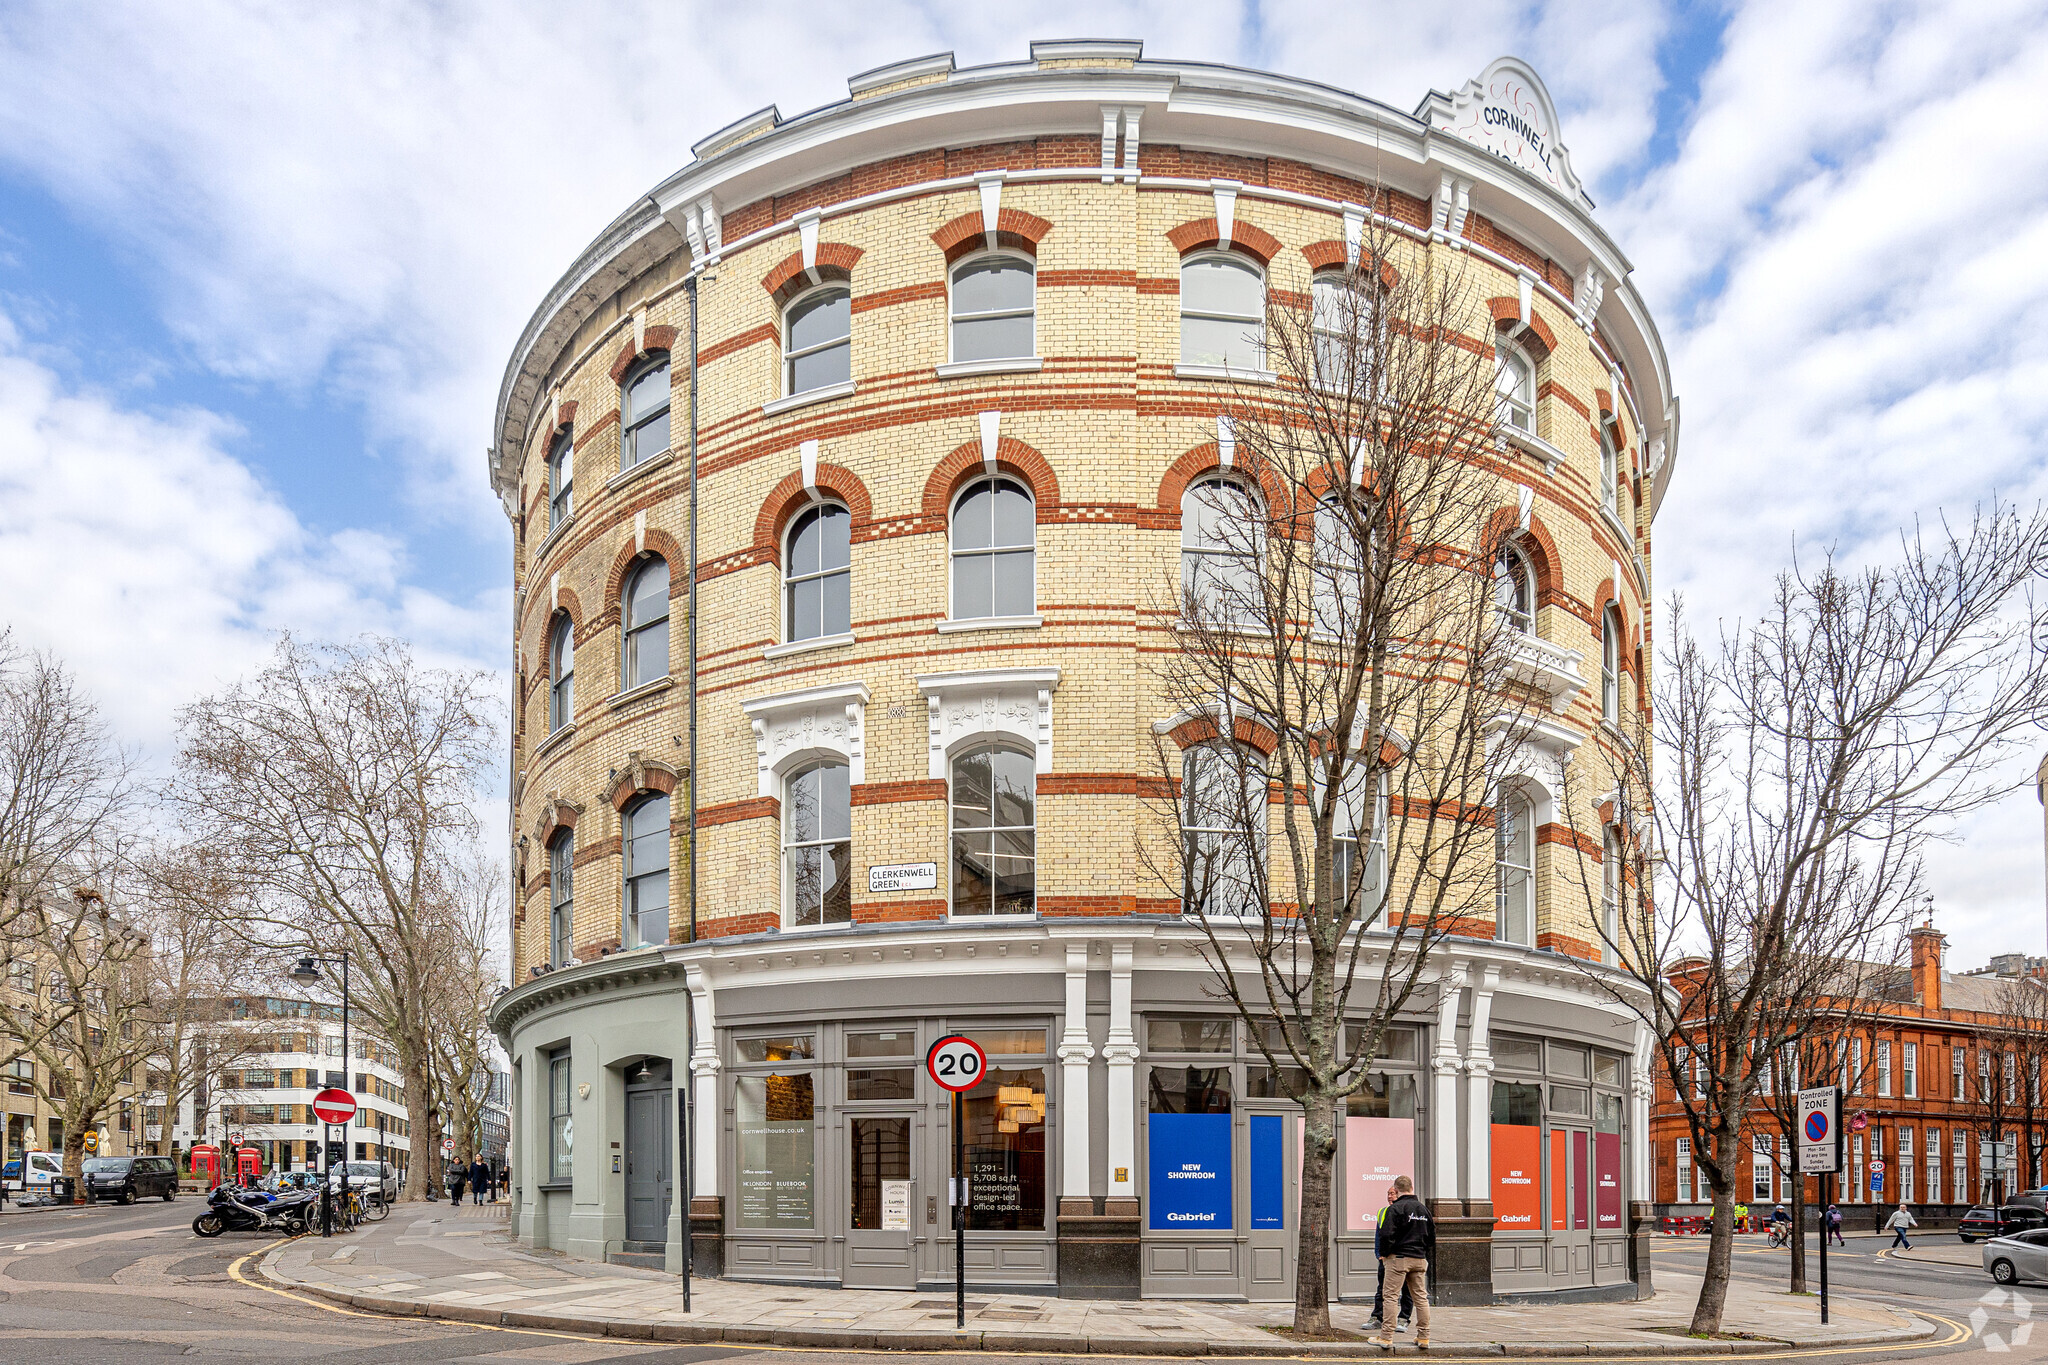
[[957, 363]]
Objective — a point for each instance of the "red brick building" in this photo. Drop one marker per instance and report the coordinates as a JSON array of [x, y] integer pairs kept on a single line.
[[1935, 1063]]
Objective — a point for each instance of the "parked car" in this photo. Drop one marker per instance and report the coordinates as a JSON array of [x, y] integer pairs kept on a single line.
[[2022, 1256], [129, 1178], [2004, 1221], [367, 1175]]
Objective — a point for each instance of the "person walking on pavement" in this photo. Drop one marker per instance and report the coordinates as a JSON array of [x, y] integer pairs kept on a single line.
[[479, 1180], [1834, 1226], [1409, 1239], [1898, 1223], [1379, 1251], [457, 1175]]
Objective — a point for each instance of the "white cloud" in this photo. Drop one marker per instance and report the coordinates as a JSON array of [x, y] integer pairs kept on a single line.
[[158, 566]]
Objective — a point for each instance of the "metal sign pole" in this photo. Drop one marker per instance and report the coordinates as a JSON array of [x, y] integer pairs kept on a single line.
[[689, 1233], [1823, 1250], [959, 1222]]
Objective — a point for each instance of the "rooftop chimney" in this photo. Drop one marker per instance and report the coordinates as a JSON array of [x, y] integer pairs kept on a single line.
[[1927, 943]]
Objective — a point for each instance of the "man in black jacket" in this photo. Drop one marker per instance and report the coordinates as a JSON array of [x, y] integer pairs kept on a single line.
[[1408, 1239]]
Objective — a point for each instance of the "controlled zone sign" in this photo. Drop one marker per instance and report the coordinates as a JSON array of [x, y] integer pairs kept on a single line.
[[1820, 1131], [334, 1106], [956, 1063]]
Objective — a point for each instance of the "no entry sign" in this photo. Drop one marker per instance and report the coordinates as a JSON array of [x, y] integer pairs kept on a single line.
[[956, 1063], [334, 1106]]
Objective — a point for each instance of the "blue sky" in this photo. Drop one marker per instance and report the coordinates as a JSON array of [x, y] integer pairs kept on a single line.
[[259, 274]]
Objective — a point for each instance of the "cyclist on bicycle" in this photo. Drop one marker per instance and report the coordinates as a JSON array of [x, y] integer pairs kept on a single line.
[[1781, 1227]]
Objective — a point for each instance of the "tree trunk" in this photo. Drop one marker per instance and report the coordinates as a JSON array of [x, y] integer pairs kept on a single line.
[[1312, 1257], [1706, 1315], [421, 1170], [1798, 1183]]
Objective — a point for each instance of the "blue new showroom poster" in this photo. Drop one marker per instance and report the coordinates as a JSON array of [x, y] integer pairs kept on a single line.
[[1189, 1156]]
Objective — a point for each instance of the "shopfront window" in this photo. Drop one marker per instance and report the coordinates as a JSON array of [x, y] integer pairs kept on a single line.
[[1005, 1142], [560, 1131], [1379, 1145], [879, 1065], [777, 1121]]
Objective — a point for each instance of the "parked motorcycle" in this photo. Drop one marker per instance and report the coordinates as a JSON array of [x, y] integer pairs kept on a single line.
[[230, 1210]]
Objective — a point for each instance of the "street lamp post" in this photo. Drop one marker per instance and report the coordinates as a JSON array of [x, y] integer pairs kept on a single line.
[[307, 972]]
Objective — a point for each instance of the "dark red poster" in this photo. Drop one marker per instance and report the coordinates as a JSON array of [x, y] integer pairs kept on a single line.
[[1607, 1181]]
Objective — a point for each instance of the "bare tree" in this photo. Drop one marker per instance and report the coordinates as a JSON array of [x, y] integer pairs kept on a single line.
[[64, 784], [86, 1021], [336, 784], [467, 981], [2021, 1033], [1805, 762], [1341, 678], [198, 965]]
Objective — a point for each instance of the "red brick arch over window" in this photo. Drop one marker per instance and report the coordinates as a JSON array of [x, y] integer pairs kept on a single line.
[[786, 499], [1013, 457], [658, 339], [658, 543], [641, 776], [565, 418], [565, 605], [1510, 310], [1199, 730], [555, 814], [835, 261], [1204, 233], [1016, 230], [1538, 545], [1203, 460], [1323, 256]]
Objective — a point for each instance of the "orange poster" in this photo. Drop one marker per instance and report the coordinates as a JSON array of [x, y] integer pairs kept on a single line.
[[1517, 1175]]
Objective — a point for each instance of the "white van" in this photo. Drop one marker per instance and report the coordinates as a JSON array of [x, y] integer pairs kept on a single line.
[[34, 1171]]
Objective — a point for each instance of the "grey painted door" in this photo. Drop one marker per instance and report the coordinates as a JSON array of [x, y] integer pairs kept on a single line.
[[648, 1162], [881, 1218]]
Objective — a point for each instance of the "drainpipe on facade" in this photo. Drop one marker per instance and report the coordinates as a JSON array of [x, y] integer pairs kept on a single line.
[[690, 288]]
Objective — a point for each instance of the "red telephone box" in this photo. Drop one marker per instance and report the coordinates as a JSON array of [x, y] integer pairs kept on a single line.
[[248, 1165], [206, 1163]]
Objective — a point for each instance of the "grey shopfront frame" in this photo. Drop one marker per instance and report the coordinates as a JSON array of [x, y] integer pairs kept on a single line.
[[1571, 1093]]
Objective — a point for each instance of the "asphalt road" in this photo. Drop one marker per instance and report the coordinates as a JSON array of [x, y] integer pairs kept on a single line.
[[109, 1284], [1866, 1269]]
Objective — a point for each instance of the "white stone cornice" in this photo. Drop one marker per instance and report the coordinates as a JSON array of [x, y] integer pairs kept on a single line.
[[1016, 702], [828, 719]]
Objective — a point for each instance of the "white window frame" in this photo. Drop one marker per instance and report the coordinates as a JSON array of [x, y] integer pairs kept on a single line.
[[561, 674], [561, 851], [1610, 664], [632, 632], [1258, 852], [630, 879], [647, 363], [1684, 1163], [1516, 407], [1373, 885], [1610, 475], [789, 357], [561, 463], [954, 316], [954, 554], [1884, 1068], [1319, 329], [1256, 552], [790, 846], [1958, 1078], [1909, 1074], [790, 580], [1257, 323], [1521, 615], [1505, 868], [1008, 744], [1610, 896]]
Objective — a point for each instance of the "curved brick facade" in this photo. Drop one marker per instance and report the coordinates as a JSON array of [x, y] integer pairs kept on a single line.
[[1086, 164]]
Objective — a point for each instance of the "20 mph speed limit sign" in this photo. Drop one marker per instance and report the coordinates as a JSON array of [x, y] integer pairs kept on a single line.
[[1820, 1131], [956, 1063]]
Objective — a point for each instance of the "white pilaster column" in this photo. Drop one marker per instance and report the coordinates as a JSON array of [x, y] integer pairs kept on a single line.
[[1074, 1053], [1477, 1182], [1639, 1117], [706, 1117], [1443, 1104], [1120, 1050]]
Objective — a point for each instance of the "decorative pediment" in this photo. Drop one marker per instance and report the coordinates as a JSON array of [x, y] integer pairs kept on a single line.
[[1016, 702], [818, 720], [1531, 746], [640, 775], [1506, 111], [555, 813]]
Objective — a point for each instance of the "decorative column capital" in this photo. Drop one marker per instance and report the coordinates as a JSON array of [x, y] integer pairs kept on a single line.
[[1120, 1053]]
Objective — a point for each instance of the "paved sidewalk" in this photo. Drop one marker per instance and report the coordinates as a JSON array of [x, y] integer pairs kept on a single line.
[[462, 1265]]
